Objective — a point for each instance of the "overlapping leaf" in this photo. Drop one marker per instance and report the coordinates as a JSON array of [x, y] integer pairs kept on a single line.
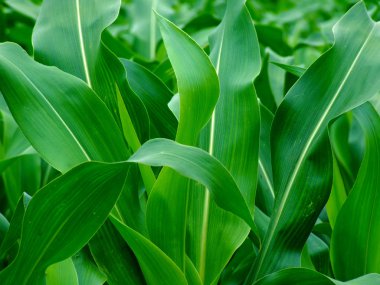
[[341, 79], [53, 227], [354, 247], [232, 137], [59, 114], [198, 89]]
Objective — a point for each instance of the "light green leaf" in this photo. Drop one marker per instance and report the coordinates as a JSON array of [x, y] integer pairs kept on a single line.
[[62, 118], [198, 89], [68, 35], [60, 220], [341, 79], [232, 137], [62, 273], [198, 165], [354, 244]]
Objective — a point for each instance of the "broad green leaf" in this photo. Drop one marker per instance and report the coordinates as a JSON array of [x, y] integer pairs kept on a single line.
[[62, 273], [157, 267], [233, 138], [198, 89], [68, 35], [113, 256], [60, 220], [354, 245], [198, 165], [62, 118], [303, 276], [341, 79]]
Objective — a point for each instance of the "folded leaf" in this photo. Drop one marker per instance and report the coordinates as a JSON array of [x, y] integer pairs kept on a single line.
[[197, 164]]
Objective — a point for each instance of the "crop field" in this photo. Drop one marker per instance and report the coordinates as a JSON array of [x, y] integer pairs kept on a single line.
[[189, 142]]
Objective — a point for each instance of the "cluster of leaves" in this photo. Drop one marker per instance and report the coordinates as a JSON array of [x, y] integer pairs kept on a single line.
[[189, 142]]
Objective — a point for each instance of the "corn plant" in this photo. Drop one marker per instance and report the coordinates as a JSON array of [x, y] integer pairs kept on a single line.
[[189, 142]]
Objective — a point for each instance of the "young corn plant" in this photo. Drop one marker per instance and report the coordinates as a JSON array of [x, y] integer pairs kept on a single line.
[[134, 152]]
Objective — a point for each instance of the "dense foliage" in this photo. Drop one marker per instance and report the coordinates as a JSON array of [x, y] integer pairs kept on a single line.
[[189, 142]]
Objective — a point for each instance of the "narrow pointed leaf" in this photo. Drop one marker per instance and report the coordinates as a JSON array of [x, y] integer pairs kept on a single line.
[[198, 89], [232, 137]]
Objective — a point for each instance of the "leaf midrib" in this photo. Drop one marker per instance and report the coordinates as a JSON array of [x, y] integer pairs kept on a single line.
[[51, 107], [304, 152], [61, 226], [81, 43], [206, 205]]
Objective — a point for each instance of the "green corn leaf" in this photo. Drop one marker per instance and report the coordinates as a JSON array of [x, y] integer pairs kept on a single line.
[[68, 35], [62, 273], [60, 220], [157, 267], [62, 118], [198, 165], [341, 79], [198, 90], [354, 245], [232, 137]]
